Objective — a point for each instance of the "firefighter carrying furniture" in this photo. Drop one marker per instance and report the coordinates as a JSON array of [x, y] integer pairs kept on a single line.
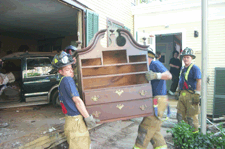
[[149, 129]]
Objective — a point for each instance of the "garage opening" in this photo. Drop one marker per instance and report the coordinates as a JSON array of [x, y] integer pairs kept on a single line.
[[37, 25]]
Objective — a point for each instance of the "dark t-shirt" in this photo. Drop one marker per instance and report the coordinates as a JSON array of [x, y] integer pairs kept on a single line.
[[67, 90], [174, 70], [194, 74]]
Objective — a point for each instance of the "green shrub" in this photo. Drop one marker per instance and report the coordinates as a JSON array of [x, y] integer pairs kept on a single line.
[[184, 138]]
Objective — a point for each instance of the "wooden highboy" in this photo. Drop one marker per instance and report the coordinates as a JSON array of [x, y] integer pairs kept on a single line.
[[112, 80]]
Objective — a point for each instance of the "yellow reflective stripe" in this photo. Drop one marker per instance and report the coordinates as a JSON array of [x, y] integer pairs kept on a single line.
[[61, 80], [196, 131], [135, 147], [187, 73], [165, 119], [55, 60], [155, 106], [162, 147]]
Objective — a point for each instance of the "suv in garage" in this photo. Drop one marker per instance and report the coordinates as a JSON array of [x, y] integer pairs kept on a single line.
[[34, 84]]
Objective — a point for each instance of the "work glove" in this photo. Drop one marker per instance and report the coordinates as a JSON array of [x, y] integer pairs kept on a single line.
[[150, 75], [90, 121], [196, 98]]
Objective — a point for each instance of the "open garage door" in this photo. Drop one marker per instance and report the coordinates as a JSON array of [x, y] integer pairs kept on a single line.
[[37, 25]]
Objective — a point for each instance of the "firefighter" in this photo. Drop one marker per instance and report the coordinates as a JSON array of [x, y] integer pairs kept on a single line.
[[72, 105], [189, 89], [149, 129], [72, 51]]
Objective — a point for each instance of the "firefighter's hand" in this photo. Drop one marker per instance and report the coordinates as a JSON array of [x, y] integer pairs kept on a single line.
[[196, 98], [90, 121], [150, 75]]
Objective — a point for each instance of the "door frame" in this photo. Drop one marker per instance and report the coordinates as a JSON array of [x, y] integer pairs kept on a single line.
[[172, 31]]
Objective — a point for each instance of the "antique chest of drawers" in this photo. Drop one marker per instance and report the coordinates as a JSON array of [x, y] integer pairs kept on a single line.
[[112, 79]]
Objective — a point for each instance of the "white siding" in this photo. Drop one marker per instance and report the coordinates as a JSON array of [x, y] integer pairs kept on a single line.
[[216, 47], [118, 10]]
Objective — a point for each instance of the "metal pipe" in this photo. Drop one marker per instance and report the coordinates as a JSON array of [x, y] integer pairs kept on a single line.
[[215, 126], [204, 66]]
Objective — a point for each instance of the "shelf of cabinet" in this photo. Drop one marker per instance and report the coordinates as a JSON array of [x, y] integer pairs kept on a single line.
[[133, 63], [115, 75]]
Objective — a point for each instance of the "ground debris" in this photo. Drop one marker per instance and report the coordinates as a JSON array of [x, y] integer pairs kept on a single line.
[[16, 144]]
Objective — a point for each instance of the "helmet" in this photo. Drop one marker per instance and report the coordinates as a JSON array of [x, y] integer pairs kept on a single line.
[[61, 60], [188, 51], [70, 49], [151, 53]]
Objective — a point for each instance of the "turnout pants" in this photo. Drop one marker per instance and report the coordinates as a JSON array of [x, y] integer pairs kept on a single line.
[[186, 110], [149, 129], [76, 132]]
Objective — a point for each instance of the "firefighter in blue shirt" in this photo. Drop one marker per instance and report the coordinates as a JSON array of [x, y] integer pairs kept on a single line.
[[149, 129], [72, 106], [189, 88]]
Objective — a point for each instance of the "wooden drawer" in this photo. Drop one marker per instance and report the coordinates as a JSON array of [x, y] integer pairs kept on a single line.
[[122, 110], [117, 94]]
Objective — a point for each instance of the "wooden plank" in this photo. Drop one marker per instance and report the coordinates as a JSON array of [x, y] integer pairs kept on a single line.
[[114, 57], [137, 58], [113, 70], [95, 83], [131, 63], [50, 140], [91, 62]]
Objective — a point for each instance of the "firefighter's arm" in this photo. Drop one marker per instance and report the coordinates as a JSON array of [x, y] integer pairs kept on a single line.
[[80, 106], [150, 75], [90, 121], [198, 86], [196, 97], [166, 76]]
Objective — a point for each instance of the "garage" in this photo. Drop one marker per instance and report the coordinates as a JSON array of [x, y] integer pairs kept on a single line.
[[39, 25], [31, 32]]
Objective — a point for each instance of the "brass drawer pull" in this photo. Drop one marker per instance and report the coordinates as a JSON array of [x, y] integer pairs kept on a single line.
[[120, 106], [119, 92], [96, 113], [143, 107], [142, 92], [95, 98]]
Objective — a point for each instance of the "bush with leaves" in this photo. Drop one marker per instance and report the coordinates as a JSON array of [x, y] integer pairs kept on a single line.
[[184, 138]]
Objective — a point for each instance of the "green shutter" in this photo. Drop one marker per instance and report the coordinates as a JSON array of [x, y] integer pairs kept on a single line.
[[137, 36], [219, 93], [91, 25]]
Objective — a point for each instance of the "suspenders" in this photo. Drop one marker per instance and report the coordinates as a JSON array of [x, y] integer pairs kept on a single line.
[[186, 86]]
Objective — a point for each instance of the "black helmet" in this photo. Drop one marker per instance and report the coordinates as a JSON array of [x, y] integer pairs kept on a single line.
[[188, 51], [70, 50], [61, 60], [151, 53]]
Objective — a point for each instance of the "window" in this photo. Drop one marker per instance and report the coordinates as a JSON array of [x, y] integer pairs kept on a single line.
[[38, 67]]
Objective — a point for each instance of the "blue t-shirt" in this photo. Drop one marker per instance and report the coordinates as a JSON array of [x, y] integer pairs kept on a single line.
[[158, 86], [67, 90], [195, 73]]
